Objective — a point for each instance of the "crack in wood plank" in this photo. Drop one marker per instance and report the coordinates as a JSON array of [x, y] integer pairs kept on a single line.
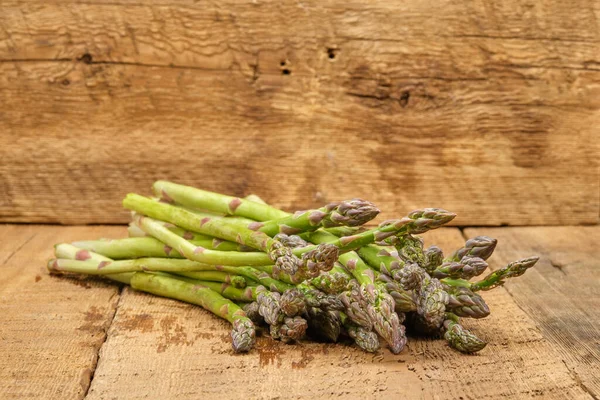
[[15, 251], [106, 335]]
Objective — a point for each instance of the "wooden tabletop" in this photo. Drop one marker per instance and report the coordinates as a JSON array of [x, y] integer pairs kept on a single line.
[[75, 338]]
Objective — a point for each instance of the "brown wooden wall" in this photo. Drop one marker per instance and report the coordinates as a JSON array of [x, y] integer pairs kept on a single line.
[[486, 108]]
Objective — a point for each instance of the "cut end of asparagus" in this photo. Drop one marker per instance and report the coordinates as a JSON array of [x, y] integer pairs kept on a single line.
[[243, 335]]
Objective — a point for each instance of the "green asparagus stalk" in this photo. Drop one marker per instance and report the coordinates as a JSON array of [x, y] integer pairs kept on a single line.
[[197, 253], [134, 231], [379, 258], [353, 212], [498, 277], [136, 247], [243, 333], [70, 252], [467, 268], [249, 273], [459, 338], [202, 199], [331, 282], [281, 255], [246, 295], [109, 268], [418, 221], [337, 231]]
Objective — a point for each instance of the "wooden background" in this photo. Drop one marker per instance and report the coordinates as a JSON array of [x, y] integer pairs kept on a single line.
[[486, 108]]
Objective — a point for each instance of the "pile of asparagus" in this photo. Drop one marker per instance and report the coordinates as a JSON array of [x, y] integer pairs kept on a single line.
[[318, 272]]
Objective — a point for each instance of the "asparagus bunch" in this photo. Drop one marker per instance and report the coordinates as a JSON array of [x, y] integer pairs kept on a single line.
[[317, 272]]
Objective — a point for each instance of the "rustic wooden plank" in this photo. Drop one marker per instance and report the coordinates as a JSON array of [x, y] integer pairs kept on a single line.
[[419, 101], [185, 353], [561, 294], [52, 328]]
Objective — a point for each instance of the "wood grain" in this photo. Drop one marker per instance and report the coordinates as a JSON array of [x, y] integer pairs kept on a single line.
[[561, 293], [52, 328], [186, 353], [483, 109]]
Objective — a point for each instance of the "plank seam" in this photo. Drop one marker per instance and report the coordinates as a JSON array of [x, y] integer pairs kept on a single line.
[[106, 336]]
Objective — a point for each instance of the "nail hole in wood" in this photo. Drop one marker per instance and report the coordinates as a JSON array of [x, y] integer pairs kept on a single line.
[[286, 71], [86, 58], [331, 53], [404, 98], [282, 63]]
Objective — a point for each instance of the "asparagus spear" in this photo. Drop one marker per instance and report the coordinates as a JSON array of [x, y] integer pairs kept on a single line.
[[135, 247], [465, 303], [202, 199], [331, 282], [246, 295], [379, 258], [337, 231], [460, 338], [364, 337], [418, 221], [467, 268], [68, 251], [496, 278], [428, 294], [197, 253], [250, 273], [353, 212], [283, 326], [281, 255], [479, 246], [243, 333]]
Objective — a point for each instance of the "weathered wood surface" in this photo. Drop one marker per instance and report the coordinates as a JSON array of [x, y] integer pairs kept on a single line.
[[51, 328], [54, 329], [562, 293], [489, 110]]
